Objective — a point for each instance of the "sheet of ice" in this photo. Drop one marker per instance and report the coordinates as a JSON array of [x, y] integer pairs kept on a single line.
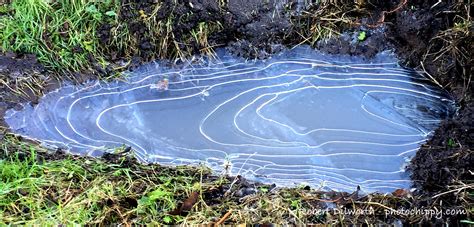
[[299, 117]]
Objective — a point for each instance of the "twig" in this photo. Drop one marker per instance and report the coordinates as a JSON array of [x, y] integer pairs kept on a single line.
[[454, 190], [437, 3], [384, 13], [381, 205], [431, 77], [222, 220]]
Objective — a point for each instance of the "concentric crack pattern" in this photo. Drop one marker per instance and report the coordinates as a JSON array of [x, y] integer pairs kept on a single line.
[[300, 117]]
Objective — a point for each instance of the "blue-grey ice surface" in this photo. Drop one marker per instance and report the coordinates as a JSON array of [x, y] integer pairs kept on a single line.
[[301, 117]]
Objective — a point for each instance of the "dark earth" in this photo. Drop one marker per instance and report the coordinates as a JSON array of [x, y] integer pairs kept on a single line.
[[254, 29]]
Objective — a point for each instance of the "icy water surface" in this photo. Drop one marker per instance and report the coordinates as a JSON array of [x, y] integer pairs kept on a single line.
[[299, 117]]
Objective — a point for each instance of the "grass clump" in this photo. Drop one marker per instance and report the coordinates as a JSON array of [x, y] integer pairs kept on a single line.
[[63, 189], [62, 34], [166, 29], [450, 49]]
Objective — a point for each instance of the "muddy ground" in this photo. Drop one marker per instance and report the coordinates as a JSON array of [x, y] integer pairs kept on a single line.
[[424, 34]]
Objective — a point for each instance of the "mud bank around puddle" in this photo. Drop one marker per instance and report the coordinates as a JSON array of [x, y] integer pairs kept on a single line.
[[423, 34]]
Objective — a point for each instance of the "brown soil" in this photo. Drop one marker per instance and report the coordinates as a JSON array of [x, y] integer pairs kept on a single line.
[[447, 157]]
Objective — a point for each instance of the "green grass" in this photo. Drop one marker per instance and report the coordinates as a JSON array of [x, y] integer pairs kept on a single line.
[[80, 190], [62, 34]]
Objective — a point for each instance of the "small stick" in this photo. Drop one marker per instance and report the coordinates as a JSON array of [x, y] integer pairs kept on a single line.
[[454, 190], [382, 17], [431, 77], [381, 205], [222, 220]]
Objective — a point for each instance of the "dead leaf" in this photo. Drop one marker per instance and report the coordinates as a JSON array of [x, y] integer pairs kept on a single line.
[[187, 204], [400, 192]]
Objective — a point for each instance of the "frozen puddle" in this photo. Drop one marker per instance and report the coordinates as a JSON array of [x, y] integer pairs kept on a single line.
[[300, 117]]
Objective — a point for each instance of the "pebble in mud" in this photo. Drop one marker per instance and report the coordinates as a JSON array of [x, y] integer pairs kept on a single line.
[[245, 192]]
